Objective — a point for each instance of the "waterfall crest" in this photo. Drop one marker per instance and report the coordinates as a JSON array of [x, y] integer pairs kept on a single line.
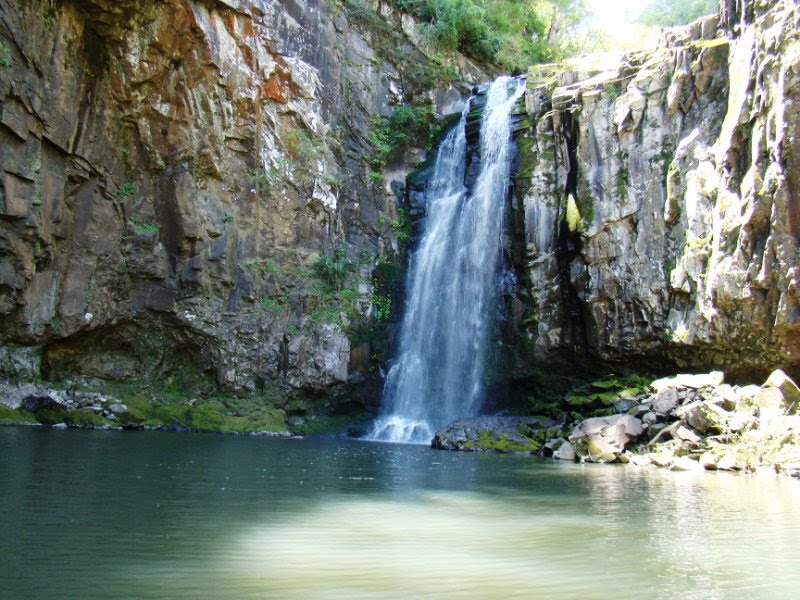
[[438, 374]]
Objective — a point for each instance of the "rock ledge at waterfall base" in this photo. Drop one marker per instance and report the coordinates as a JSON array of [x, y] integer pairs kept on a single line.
[[685, 422]]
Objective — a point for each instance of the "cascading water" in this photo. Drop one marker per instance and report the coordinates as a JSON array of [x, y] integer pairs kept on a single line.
[[453, 282]]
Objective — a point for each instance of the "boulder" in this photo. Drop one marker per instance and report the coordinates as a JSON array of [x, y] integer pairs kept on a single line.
[[709, 461], [663, 458], [791, 393], [649, 419], [40, 401], [684, 463], [704, 416], [565, 452], [687, 435], [770, 401], [638, 460], [603, 439], [706, 380], [730, 462], [493, 434], [666, 401], [725, 396], [741, 421]]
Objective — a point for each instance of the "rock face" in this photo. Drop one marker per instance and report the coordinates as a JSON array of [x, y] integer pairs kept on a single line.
[[172, 170], [657, 201]]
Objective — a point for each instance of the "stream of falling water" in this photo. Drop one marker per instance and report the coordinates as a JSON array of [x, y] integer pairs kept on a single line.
[[438, 373]]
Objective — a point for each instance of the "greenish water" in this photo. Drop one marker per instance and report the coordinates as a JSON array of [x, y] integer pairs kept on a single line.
[[89, 514]]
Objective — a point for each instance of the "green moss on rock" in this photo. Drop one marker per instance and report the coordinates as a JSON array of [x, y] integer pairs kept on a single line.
[[9, 416], [491, 442]]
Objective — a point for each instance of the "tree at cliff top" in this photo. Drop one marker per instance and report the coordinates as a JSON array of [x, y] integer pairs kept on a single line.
[[676, 12], [510, 33]]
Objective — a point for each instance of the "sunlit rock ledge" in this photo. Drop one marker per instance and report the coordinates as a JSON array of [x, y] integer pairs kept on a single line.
[[685, 422]]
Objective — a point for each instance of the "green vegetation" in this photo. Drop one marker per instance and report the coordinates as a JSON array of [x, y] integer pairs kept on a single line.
[[9, 416], [143, 227], [513, 34], [573, 215], [405, 126], [228, 218], [383, 307], [125, 191], [5, 60], [265, 265], [220, 415], [260, 180], [400, 226], [594, 399], [83, 417], [676, 12], [334, 270], [490, 441], [275, 304]]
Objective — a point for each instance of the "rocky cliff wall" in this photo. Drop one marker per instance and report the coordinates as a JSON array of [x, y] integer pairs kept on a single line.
[[657, 219], [173, 170]]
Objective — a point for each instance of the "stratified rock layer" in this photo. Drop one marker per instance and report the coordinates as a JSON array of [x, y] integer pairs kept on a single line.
[[659, 197], [172, 170]]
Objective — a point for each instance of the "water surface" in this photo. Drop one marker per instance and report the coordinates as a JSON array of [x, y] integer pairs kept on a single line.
[[89, 514]]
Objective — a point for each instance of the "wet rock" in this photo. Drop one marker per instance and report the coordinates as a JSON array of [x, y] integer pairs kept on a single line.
[[638, 460], [603, 439], [565, 452], [708, 460], [493, 434], [684, 463], [40, 401]]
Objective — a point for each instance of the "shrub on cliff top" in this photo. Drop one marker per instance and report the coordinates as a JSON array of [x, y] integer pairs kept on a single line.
[[510, 33]]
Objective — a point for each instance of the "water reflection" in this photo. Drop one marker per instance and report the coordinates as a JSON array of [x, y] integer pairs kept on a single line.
[[211, 517]]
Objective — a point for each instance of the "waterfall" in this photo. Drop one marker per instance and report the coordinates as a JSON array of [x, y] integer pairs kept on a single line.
[[438, 374]]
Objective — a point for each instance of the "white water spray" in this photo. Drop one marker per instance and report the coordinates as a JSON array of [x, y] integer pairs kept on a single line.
[[438, 375]]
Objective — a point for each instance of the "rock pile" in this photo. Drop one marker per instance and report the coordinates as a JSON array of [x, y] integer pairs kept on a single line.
[[695, 422], [686, 422], [33, 398]]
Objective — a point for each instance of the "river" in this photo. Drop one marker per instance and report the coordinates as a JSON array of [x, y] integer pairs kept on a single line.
[[91, 514]]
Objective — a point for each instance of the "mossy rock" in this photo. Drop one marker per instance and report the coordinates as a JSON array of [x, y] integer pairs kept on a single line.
[[10, 416], [491, 442], [85, 418]]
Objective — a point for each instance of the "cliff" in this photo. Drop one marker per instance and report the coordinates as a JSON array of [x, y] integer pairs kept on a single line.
[[186, 198], [656, 216], [202, 196]]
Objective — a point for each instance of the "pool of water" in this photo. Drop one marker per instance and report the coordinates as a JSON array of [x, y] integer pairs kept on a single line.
[[89, 514]]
